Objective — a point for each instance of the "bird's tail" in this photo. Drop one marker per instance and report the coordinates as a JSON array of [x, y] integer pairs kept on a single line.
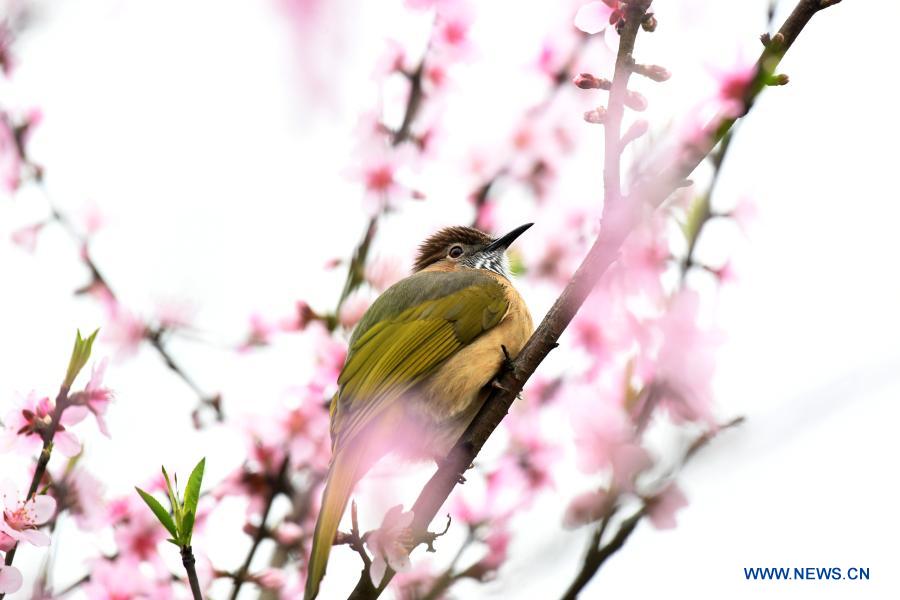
[[345, 470]]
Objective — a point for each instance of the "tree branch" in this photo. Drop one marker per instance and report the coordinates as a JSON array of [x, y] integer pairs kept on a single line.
[[617, 224]]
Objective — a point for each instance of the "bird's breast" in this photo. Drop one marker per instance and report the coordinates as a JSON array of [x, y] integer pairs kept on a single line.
[[448, 399]]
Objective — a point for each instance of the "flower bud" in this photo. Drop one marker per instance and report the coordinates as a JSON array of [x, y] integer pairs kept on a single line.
[[586, 81], [596, 116], [635, 101], [780, 79], [648, 23]]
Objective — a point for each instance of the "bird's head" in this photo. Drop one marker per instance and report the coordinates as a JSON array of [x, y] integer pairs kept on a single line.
[[456, 248]]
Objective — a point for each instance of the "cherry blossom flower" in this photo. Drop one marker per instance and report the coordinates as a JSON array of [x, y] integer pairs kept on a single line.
[[10, 159], [661, 508], [10, 579], [26, 237], [21, 518], [24, 427], [123, 328], [353, 308], [83, 497], [390, 543], [686, 361], [586, 508], [383, 272], [119, 579], [497, 543], [95, 398], [733, 83]]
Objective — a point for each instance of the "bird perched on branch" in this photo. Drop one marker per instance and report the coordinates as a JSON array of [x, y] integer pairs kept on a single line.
[[419, 365]]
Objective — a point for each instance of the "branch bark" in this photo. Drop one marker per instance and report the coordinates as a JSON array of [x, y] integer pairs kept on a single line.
[[618, 220]]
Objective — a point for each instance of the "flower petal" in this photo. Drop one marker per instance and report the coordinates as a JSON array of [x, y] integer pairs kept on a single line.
[[67, 444], [34, 537], [44, 507], [377, 569], [10, 579], [593, 17]]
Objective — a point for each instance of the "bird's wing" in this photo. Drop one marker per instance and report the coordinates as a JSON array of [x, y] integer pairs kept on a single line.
[[405, 334]]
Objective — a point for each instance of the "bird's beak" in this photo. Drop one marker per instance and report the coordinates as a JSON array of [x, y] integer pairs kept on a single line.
[[504, 242]]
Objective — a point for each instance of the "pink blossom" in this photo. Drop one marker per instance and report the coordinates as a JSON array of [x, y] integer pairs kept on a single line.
[[288, 533], [601, 425], [24, 427], [586, 508], [95, 397], [21, 518], [119, 580], [10, 158], [745, 213], [497, 543], [353, 308], [383, 272], [628, 461], [271, 579], [138, 534], [594, 17], [661, 508], [417, 582], [452, 25], [686, 359], [123, 329], [26, 237], [733, 83], [390, 543], [84, 498], [10, 579]]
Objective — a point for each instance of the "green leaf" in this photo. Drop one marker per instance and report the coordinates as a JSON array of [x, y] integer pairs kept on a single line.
[[173, 498], [187, 528], [192, 491], [81, 352], [161, 513], [173, 542]]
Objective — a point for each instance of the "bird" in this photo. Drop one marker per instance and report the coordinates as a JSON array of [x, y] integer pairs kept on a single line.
[[419, 365]]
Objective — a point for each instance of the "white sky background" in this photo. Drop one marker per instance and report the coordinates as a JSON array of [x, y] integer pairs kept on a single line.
[[191, 127]]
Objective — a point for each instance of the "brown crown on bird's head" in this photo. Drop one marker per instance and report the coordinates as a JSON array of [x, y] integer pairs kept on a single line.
[[466, 247]]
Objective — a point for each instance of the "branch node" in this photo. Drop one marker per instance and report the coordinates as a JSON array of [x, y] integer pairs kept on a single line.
[[429, 538]]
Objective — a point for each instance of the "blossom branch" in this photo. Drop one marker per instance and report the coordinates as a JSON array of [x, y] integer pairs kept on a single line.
[[617, 224]]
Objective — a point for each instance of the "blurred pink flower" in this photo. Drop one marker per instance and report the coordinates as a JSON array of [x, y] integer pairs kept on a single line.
[[21, 517], [601, 424], [138, 533], [745, 213], [661, 508], [594, 17], [26, 237], [497, 542], [686, 359], [95, 397], [628, 461], [416, 583], [24, 427], [585, 508], [389, 543], [10, 579], [271, 578], [123, 329], [85, 499], [117, 580], [383, 272], [353, 308], [10, 159], [452, 24], [733, 83]]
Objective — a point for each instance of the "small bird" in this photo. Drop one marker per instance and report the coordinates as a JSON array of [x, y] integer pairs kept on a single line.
[[419, 365]]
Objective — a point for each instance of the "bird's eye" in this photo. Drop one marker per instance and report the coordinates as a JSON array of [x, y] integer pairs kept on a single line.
[[456, 252]]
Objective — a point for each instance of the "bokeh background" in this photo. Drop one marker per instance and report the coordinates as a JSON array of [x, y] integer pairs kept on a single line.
[[212, 150]]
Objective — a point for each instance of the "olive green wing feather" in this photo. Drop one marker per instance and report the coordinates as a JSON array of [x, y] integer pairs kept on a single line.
[[413, 327]]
